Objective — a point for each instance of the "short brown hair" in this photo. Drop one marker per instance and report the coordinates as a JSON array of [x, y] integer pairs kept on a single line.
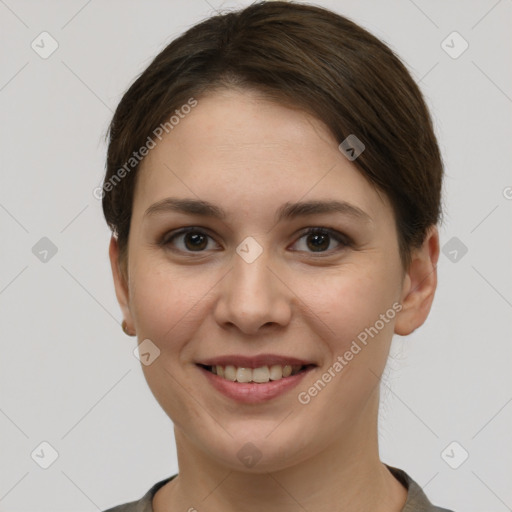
[[305, 57]]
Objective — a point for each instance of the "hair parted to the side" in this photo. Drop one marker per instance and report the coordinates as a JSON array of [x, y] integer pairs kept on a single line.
[[302, 56]]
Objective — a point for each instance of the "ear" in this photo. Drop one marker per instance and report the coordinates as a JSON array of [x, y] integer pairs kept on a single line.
[[419, 285], [120, 283]]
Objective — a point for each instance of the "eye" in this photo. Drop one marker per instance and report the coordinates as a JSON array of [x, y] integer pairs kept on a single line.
[[319, 239], [193, 240]]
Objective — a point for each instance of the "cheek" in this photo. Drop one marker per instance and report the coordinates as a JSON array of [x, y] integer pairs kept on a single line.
[[163, 304], [353, 300], [165, 307], [358, 338]]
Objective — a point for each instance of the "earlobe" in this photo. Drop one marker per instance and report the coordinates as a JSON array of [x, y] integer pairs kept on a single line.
[[120, 283], [419, 285]]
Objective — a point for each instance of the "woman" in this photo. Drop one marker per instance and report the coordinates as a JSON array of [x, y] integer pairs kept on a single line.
[[273, 185]]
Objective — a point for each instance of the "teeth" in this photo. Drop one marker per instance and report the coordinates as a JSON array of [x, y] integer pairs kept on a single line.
[[287, 370], [244, 375], [229, 373], [259, 375], [276, 372]]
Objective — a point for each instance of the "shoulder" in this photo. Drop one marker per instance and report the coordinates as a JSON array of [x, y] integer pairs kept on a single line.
[[143, 504], [133, 506], [417, 500]]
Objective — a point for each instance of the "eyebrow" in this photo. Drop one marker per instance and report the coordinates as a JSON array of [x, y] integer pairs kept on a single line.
[[286, 212]]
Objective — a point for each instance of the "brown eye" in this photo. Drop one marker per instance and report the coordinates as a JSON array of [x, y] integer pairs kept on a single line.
[[319, 240], [187, 240], [195, 241]]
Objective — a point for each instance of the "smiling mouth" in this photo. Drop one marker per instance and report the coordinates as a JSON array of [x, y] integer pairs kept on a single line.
[[259, 375]]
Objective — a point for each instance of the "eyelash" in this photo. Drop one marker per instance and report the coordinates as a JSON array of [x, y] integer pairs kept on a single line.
[[342, 239]]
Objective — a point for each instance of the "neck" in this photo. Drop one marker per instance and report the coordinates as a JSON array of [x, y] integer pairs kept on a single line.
[[348, 473]]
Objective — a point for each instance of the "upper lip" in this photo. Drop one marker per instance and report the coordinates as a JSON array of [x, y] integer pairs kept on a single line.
[[241, 361]]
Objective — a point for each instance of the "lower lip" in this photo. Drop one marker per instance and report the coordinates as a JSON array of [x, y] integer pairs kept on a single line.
[[253, 393]]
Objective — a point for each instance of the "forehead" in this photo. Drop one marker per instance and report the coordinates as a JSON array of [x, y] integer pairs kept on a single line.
[[242, 150]]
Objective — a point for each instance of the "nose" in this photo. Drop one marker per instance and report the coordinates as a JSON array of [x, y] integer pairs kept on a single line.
[[254, 296]]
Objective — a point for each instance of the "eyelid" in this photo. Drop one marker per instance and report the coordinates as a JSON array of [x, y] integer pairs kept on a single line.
[[337, 235]]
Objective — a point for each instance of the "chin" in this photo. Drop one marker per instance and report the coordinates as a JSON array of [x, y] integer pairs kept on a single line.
[[253, 450]]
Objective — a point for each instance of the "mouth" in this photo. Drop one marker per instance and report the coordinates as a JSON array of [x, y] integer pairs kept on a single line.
[[259, 375]]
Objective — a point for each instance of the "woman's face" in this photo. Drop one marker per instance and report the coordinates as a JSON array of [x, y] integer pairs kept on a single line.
[[255, 283]]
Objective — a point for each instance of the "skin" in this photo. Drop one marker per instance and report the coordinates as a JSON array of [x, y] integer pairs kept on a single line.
[[249, 156]]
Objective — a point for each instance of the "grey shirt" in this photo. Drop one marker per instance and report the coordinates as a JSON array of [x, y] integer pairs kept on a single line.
[[416, 499]]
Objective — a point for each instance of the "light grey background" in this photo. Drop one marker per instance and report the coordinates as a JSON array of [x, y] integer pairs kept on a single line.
[[68, 375]]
